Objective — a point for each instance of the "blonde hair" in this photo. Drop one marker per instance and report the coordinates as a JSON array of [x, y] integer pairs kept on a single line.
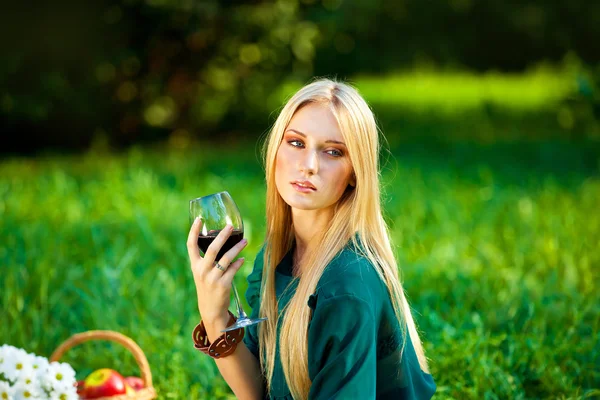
[[357, 211]]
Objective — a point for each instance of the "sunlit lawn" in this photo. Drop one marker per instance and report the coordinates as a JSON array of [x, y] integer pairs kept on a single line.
[[498, 245]]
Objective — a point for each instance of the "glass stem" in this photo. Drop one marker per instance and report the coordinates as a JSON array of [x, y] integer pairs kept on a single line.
[[240, 310]]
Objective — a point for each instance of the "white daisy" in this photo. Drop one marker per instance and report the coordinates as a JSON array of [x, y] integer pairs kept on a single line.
[[43, 378], [60, 375], [6, 354], [39, 363], [64, 393], [2, 361], [26, 392], [32, 377], [6, 391], [15, 361], [3, 349], [28, 376], [6, 347]]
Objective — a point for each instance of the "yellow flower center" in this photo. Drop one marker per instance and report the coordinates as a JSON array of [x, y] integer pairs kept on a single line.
[[19, 366], [27, 394], [63, 397], [5, 395], [28, 381], [59, 377]]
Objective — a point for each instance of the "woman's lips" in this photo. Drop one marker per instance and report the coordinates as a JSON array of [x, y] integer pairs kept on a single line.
[[303, 189]]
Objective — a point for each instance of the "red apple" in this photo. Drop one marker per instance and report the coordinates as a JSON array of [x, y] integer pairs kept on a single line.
[[135, 382], [104, 382]]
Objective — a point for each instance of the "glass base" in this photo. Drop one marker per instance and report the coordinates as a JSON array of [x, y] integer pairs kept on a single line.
[[242, 323]]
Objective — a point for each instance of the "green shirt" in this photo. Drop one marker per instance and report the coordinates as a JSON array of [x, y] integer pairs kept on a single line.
[[353, 337]]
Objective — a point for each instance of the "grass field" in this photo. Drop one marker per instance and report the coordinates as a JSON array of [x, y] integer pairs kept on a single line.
[[499, 246]]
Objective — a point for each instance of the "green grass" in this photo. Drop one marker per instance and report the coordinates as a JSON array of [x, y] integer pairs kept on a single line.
[[492, 202], [498, 249], [455, 92], [458, 92]]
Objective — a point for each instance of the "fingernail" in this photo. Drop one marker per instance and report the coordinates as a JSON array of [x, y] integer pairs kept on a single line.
[[196, 220], [243, 259], [230, 227], [244, 241]]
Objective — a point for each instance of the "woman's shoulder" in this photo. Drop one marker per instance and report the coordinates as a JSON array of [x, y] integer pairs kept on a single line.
[[351, 273]]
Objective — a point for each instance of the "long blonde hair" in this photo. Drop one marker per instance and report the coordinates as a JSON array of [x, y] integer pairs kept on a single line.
[[358, 211]]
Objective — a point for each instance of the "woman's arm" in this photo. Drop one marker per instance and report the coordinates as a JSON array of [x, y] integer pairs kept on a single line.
[[213, 285], [241, 369]]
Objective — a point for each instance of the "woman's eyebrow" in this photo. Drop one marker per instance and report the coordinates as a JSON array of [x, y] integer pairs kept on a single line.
[[327, 141]]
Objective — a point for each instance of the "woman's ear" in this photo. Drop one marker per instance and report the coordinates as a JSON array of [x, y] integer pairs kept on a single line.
[[352, 181]]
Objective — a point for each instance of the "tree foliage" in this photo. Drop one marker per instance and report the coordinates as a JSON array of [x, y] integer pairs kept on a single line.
[[135, 70]]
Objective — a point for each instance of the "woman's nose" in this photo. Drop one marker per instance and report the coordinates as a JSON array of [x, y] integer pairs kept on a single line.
[[309, 163]]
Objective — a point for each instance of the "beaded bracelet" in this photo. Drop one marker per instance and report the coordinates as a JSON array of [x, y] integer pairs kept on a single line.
[[223, 346]]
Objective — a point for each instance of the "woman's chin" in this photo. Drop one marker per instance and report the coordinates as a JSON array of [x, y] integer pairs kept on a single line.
[[301, 202]]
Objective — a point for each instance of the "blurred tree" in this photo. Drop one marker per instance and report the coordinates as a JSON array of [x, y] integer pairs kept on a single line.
[[125, 71], [377, 35], [132, 70]]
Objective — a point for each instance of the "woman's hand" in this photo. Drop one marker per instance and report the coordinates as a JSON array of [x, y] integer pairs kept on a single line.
[[213, 286]]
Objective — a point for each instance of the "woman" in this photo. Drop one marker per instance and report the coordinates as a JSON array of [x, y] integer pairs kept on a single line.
[[326, 277]]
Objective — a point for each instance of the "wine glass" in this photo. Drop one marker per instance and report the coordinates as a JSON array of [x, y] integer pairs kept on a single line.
[[217, 210]]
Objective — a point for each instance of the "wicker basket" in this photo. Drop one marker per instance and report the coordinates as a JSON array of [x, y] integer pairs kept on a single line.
[[147, 393]]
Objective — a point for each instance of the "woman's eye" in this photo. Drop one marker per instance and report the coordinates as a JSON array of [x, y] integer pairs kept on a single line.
[[299, 144]]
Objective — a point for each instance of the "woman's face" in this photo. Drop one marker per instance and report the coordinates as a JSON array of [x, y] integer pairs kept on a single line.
[[313, 167]]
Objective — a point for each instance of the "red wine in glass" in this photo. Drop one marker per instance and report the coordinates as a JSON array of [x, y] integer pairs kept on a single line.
[[216, 212], [205, 240]]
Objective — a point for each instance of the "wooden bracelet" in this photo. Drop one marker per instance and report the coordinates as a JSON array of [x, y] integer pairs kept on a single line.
[[223, 346]]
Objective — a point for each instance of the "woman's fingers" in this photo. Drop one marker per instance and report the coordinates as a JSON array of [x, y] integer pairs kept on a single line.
[[192, 241], [233, 268], [218, 242], [231, 255]]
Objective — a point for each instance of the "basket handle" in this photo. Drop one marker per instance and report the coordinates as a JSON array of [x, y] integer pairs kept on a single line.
[[112, 336]]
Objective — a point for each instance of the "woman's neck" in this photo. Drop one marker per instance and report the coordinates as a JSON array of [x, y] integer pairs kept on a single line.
[[308, 225]]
